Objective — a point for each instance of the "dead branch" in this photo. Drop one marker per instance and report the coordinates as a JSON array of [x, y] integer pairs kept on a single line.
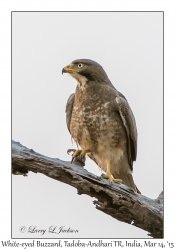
[[116, 200]]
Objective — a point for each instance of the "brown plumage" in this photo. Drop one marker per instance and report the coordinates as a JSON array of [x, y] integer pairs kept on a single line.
[[101, 122]]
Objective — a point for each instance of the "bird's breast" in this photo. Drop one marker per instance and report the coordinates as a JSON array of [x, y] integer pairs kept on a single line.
[[95, 125]]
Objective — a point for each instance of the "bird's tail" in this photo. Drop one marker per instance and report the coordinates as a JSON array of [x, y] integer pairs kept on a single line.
[[128, 180], [138, 191]]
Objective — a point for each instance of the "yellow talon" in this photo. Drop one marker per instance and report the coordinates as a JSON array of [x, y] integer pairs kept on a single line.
[[118, 180], [108, 174], [77, 153]]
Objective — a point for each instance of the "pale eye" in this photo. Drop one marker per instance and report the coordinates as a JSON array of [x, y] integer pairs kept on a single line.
[[80, 65]]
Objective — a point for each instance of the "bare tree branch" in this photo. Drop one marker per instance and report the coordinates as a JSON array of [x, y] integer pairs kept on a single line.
[[115, 199]]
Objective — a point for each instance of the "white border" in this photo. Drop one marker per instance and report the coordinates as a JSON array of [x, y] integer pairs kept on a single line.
[[5, 94]]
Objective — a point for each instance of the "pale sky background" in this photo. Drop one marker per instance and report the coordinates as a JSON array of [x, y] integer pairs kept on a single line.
[[129, 46]]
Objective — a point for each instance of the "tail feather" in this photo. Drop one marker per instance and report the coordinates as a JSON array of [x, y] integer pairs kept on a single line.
[[128, 180]]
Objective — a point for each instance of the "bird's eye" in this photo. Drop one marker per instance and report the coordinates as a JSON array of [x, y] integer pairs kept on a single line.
[[80, 65]]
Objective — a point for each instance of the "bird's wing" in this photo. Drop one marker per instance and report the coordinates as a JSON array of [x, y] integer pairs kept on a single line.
[[69, 107], [130, 125]]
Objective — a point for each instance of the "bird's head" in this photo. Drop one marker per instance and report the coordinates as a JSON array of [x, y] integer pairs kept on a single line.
[[85, 70]]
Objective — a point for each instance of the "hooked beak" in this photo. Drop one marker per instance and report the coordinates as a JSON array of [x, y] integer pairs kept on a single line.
[[68, 69], [64, 71]]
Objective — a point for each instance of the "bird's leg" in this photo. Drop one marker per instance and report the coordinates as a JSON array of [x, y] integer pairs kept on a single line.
[[108, 173], [78, 153]]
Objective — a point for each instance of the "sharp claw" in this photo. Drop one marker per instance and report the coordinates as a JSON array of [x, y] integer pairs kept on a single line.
[[102, 175], [70, 150], [77, 155], [81, 157]]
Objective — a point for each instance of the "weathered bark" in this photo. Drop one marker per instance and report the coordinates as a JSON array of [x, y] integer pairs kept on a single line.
[[116, 200]]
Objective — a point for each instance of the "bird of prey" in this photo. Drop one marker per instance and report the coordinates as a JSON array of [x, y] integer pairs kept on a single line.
[[101, 122]]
